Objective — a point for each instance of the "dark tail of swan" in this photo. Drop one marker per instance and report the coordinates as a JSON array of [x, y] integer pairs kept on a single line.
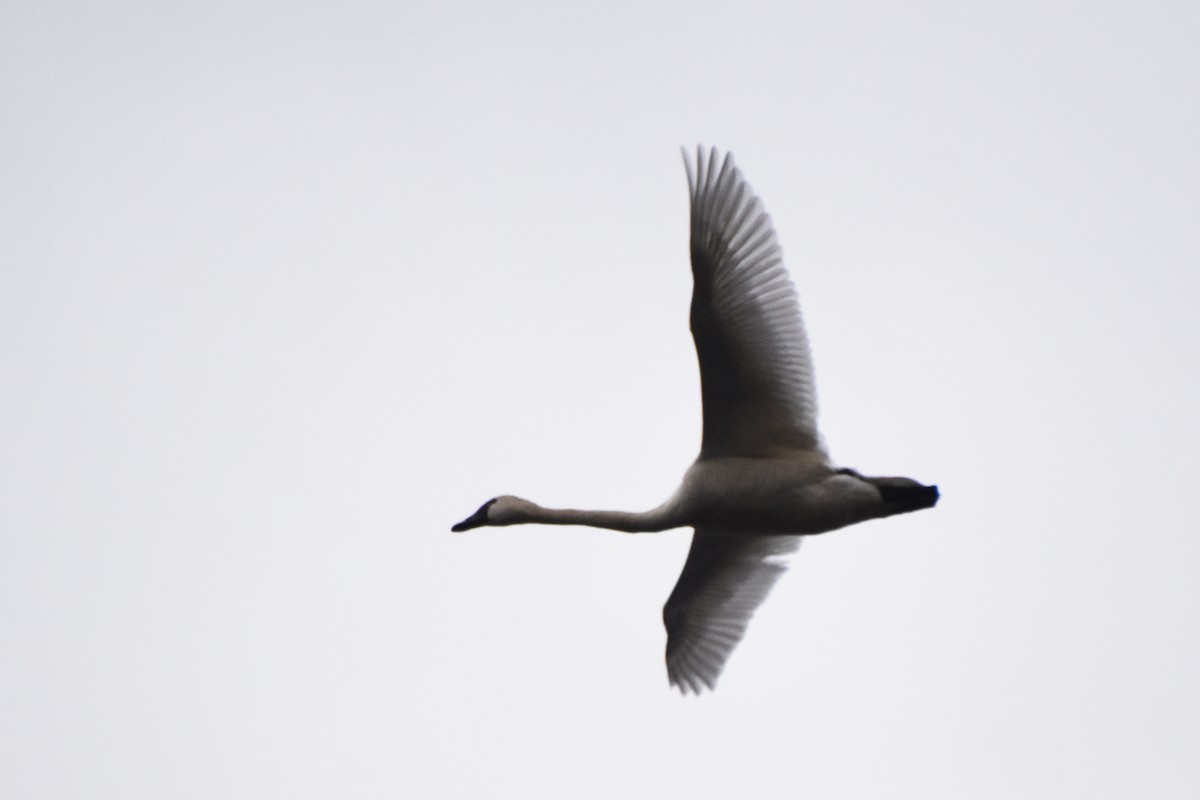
[[906, 496]]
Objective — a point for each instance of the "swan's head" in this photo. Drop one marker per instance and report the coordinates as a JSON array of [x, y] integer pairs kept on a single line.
[[503, 510]]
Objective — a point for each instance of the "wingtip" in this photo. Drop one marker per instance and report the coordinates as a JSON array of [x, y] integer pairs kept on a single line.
[[687, 168], [686, 688]]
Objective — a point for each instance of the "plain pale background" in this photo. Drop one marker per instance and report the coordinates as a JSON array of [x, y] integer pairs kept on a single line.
[[287, 289]]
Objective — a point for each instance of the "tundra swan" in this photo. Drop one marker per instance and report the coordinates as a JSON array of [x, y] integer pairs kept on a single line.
[[763, 478]]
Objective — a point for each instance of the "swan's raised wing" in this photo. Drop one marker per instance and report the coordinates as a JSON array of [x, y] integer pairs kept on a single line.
[[726, 577], [755, 369]]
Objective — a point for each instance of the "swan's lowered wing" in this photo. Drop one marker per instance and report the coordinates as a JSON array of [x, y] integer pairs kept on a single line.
[[726, 577], [755, 369]]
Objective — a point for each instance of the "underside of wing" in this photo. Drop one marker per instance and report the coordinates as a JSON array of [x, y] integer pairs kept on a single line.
[[726, 577], [755, 368]]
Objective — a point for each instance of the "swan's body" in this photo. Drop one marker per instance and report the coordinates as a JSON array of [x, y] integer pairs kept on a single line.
[[763, 478]]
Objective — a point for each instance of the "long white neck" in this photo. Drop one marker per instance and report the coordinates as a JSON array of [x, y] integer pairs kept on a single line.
[[658, 519]]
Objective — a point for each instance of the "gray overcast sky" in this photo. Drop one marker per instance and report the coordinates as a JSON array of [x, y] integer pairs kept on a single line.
[[286, 290]]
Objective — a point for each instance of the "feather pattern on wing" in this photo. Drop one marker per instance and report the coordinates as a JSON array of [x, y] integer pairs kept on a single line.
[[726, 577], [755, 367]]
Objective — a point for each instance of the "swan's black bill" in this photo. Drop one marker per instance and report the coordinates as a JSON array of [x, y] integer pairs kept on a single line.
[[476, 520]]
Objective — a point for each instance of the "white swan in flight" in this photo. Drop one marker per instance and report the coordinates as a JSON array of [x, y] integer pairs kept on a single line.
[[763, 478]]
